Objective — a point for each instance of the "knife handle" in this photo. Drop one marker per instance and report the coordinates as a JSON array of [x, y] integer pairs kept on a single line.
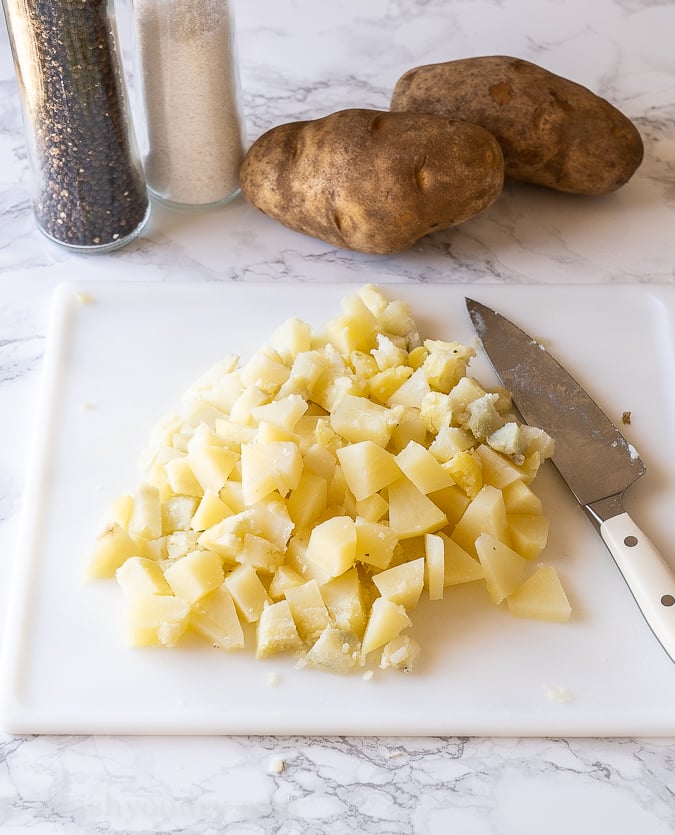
[[649, 578]]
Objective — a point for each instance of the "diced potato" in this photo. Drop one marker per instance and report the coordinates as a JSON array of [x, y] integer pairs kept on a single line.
[[403, 583], [180, 543], [332, 545], [276, 631], [367, 467], [308, 500], [519, 498], [146, 516], [156, 620], [215, 617], [503, 567], [541, 596], [466, 471], [445, 363], [141, 577], [260, 553], [459, 566], [182, 480], [195, 574], [381, 386], [498, 470], [375, 543], [210, 511], [529, 533], [410, 427], [343, 597], [485, 514], [247, 591], [284, 578], [401, 653], [434, 551], [453, 501], [291, 338], [112, 548], [211, 465], [412, 391], [177, 513], [387, 620], [420, 466], [284, 413], [450, 440], [411, 513], [334, 650], [359, 419], [308, 610], [355, 329], [373, 508], [483, 419]]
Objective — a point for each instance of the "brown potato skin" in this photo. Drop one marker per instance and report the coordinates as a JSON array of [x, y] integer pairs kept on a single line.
[[373, 181], [552, 131]]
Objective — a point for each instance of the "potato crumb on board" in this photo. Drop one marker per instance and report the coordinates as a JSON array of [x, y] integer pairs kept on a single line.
[[625, 418], [84, 298], [560, 694], [273, 679]]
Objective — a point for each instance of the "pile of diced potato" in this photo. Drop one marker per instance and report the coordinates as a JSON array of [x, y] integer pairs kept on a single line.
[[312, 495]]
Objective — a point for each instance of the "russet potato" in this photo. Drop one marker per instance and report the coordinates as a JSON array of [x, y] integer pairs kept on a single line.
[[373, 181], [552, 131]]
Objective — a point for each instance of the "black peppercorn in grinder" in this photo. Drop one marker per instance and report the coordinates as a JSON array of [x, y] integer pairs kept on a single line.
[[90, 192]]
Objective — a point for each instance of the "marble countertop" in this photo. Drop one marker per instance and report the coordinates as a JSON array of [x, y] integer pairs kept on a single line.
[[302, 59]]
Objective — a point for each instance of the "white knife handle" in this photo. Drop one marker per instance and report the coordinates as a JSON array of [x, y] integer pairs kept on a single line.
[[649, 578]]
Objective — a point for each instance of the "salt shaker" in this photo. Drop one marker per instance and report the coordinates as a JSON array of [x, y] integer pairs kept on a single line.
[[186, 57], [90, 193]]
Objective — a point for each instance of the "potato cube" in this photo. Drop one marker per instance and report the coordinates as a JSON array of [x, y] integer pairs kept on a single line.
[[211, 464], [403, 583], [453, 501], [466, 471], [373, 508], [519, 498], [260, 553], [459, 566], [411, 392], [434, 552], [381, 386], [497, 469], [334, 650], [146, 517], [177, 513], [420, 466], [258, 479], [387, 620], [141, 577], [182, 480], [308, 610], [247, 591], [359, 419], [276, 631], [375, 543], [284, 578], [284, 413], [343, 597], [210, 511], [195, 574], [400, 653], [541, 596], [367, 467], [449, 441], [355, 329], [215, 618], [485, 514], [332, 545], [112, 548], [156, 620], [411, 513], [529, 533], [291, 338], [308, 500], [411, 427], [503, 567]]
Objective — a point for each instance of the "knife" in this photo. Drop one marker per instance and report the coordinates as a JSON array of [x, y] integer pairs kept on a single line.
[[595, 460]]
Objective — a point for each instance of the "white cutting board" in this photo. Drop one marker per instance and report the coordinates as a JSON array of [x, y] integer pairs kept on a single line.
[[117, 364]]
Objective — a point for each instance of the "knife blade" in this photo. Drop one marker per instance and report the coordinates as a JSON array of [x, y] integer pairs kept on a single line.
[[597, 463]]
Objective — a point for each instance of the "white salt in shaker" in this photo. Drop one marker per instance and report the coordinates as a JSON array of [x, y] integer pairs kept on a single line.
[[190, 87]]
